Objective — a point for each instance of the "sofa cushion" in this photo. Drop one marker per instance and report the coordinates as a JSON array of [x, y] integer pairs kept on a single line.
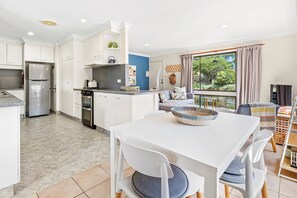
[[180, 89], [178, 96], [162, 97], [166, 93], [166, 106]]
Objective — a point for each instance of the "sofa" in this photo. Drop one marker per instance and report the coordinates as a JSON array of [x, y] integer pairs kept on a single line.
[[169, 103]]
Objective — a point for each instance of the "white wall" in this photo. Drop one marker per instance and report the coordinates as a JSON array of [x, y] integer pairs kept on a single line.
[[279, 63], [279, 60], [170, 59]]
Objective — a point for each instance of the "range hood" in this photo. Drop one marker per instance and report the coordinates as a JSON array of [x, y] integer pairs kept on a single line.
[[96, 65]]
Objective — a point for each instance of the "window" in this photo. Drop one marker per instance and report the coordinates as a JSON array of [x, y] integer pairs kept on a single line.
[[214, 78]]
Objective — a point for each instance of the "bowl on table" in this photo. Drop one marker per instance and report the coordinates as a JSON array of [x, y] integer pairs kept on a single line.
[[194, 115]]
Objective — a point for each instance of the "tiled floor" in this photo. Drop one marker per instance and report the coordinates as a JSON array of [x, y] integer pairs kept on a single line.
[[61, 158], [54, 148], [95, 182]]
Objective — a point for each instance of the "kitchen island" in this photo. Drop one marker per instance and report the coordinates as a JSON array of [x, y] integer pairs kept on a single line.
[[114, 107], [9, 142]]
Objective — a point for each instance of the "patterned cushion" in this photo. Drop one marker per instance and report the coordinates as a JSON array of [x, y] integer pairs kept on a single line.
[[166, 93], [180, 90], [178, 96], [162, 97], [146, 186]]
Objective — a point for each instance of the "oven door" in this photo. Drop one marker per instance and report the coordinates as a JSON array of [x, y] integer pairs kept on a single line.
[[87, 116], [86, 101]]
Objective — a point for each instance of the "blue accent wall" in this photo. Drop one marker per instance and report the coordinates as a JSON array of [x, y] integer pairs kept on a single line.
[[142, 65]]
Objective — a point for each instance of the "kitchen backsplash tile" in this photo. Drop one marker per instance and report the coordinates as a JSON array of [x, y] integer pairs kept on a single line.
[[10, 79]]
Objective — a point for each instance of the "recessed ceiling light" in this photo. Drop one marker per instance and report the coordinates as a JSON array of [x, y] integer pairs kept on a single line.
[[146, 45], [224, 26], [83, 20], [30, 33], [48, 22]]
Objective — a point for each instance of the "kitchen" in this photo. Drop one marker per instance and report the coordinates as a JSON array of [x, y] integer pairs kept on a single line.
[[54, 78]]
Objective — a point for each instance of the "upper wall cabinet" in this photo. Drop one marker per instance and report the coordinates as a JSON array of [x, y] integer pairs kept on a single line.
[[39, 53], [2, 53], [14, 54], [110, 42], [66, 51], [11, 55]]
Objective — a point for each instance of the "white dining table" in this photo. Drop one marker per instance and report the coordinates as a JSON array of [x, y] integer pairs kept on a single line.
[[205, 150]]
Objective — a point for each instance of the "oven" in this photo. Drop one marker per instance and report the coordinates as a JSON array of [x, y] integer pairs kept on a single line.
[[87, 105]]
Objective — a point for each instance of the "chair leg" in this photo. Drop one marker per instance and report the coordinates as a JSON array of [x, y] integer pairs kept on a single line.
[[273, 144], [227, 191], [264, 190], [188, 196], [199, 195], [118, 195]]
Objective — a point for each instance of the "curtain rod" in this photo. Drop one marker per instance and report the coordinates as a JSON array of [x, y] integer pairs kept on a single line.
[[219, 50]]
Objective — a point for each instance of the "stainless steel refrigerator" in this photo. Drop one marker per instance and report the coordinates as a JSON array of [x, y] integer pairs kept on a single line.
[[38, 89]]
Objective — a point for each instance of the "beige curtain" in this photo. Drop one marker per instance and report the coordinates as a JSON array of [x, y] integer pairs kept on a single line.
[[187, 73], [249, 70]]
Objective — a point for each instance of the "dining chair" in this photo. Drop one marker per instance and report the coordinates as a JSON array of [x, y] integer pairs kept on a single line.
[[153, 113], [248, 173], [154, 176], [245, 109]]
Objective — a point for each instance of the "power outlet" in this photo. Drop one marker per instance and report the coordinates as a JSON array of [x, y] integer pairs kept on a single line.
[[119, 81]]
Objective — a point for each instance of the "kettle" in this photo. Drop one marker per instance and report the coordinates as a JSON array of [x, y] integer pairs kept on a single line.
[[111, 59]]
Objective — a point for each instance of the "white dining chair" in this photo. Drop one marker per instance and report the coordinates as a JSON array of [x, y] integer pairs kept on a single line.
[[154, 176], [248, 173], [153, 113]]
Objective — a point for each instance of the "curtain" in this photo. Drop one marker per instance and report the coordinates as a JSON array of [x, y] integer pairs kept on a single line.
[[249, 70], [283, 95], [187, 73]]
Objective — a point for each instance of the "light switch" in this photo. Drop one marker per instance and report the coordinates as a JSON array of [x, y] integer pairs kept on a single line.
[[119, 80]]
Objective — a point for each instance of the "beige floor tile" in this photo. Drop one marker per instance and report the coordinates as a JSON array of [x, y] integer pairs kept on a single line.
[[273, 182], [128, 172], [82, 196], [33, 196], [91, 177], [236, 193], [106, 166], [65, 189], [288, 188], [102, 190]]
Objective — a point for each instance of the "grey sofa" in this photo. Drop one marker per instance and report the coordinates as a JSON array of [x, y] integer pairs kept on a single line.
[[167, 105]]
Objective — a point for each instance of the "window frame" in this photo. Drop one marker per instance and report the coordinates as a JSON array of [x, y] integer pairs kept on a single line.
[[217, 92]]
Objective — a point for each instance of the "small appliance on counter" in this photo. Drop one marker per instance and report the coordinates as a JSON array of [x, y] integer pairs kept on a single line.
[[86, 84], [93, 84]]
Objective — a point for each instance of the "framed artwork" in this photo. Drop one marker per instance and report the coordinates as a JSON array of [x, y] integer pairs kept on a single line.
[[132, 74]]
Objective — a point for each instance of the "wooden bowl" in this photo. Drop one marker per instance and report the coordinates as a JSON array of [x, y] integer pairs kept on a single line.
[[194, 115]]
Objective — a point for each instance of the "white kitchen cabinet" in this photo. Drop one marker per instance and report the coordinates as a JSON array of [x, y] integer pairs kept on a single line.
[[14, 54], [32, 52], [123, 108], [39, 53], [20, 94], [9, 146], [46, 54], [113, 109], [104, 110], [77, 104], [2, 53], [66, 51], [94, 49], [66, 90]]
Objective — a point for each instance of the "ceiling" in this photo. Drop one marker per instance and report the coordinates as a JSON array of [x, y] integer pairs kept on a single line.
[[166, 25]]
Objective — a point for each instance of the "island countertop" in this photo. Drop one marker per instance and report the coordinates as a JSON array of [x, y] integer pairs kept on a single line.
[[111, 91], [8, 100]]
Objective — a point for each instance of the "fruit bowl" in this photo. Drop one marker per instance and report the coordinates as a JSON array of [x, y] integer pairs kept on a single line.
[[194, 115]]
